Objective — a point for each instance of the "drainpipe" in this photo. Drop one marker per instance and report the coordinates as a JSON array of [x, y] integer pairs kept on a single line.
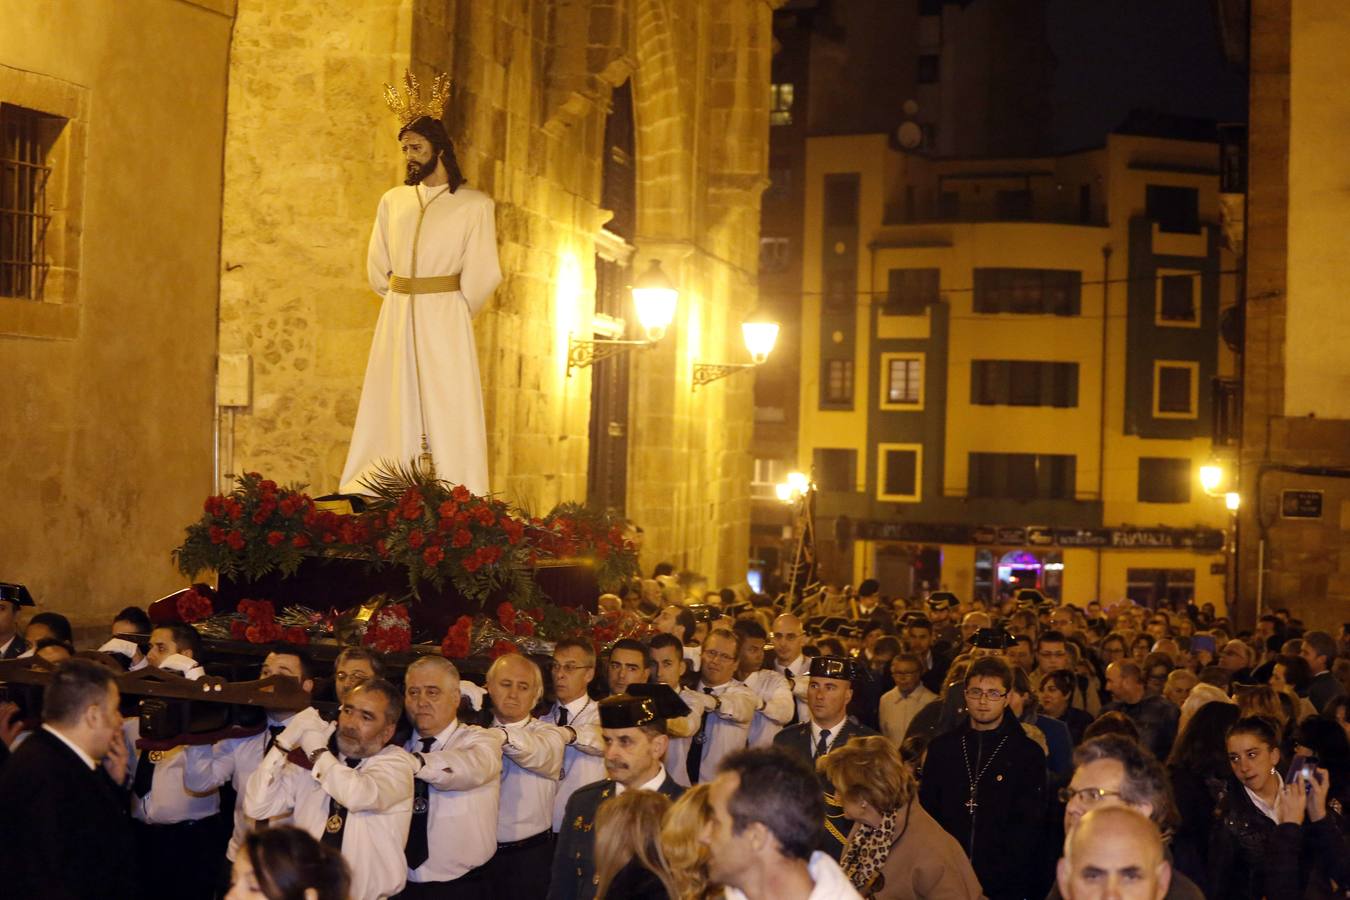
[[1101, 431]]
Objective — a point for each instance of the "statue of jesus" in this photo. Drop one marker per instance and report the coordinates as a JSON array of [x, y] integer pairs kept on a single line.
[[433, 258]]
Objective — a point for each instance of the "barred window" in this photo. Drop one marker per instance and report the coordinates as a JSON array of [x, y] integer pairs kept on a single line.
[[25, 139]]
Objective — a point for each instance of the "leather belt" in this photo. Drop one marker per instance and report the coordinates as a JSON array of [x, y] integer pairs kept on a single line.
[[431, 284], [531, 841]]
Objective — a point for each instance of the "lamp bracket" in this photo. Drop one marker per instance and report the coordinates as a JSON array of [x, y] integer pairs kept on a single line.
[[706, 373], [581, 354]]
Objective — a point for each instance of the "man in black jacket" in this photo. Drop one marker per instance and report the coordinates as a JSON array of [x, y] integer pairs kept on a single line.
[[984, 782], [66, 831], [634, 729]]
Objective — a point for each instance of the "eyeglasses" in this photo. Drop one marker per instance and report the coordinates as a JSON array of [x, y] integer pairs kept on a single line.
[[569, 668], [718, 654], [977, 694], [1087, 796]]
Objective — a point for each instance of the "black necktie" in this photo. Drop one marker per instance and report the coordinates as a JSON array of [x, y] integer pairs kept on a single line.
[[562, 716], [272, 732], [337, 816], [416, 848], [694, 760], [823, 745], [145, 773]]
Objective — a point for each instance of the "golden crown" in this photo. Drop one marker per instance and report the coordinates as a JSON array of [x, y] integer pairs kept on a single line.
[[411, 107]]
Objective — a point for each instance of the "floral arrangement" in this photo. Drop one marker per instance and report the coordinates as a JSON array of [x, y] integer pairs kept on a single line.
[[389, 629], [533, 629], [255, 530], [194, 606], [436, 531], [255, 621]]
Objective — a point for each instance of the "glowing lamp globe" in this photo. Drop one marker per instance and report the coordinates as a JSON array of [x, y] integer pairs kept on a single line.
[[655, 297], [759, 339]]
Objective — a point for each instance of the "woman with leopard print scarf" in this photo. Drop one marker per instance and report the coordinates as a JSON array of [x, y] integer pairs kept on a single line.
[[895, 850]]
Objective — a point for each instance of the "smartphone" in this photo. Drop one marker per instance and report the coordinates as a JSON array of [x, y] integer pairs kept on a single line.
[[1297, 767]]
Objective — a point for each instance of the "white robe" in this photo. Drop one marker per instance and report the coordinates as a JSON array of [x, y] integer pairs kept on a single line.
[[458, 236]]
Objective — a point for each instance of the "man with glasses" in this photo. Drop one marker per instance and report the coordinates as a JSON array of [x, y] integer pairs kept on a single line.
[[728, 707], [1053, 655], [583, 759], [1114, 771], [902, 703], [984, 782]]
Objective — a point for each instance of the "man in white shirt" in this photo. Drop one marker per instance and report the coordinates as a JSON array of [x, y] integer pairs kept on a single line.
[[233, 760], [634, 727], [902, 703], [583, 760], [727, 708], [532, 757], [789, 661], [454, 818], [178, 833], [766, 815], [357, 795], [12, 596], [776, 703]]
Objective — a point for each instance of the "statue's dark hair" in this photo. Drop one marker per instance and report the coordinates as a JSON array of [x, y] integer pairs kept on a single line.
[[434, 131]]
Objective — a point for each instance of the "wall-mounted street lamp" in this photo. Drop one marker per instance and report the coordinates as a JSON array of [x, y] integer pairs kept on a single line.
[[759, 335], [654, 298], [1211, 477], [1232, 500]]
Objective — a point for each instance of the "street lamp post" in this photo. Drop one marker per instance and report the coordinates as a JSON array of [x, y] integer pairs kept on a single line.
[[654, 298], [759, 335]]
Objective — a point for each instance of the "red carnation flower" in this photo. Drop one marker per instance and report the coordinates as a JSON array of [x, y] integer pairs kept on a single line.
[[501, 648], [299, 541], [275, 537], [237, 630], [460, 493], [462, 538], [433, 555], [415, 538], [235, 539]]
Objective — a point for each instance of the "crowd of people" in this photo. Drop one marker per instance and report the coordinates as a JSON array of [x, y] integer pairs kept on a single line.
[[931, 748]]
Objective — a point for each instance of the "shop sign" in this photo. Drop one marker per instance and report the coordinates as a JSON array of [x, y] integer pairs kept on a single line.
[[1202, 539]]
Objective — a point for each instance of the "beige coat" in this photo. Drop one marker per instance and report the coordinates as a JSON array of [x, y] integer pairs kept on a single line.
[[925, 863]]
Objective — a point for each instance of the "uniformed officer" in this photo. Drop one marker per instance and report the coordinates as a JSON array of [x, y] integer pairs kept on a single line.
[[634, 729], [12, 596]]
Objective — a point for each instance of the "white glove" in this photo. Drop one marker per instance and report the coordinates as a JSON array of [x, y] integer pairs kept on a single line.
[[473, 692], [313, 740], [182, 665], [305, 720], [698, 700]]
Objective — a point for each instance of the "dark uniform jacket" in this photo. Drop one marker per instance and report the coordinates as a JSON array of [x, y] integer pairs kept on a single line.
[[16, 646], [1002, 835], [66, 829], [797, 740], [574, 857]]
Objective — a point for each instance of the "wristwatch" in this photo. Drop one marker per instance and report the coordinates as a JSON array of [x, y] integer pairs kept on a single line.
[[314, 757], [573, 738]]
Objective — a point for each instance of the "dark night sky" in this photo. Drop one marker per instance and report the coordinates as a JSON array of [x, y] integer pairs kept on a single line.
[[1115, 55]]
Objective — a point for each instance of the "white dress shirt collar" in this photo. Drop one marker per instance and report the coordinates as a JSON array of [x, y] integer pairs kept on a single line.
[[834, 730], [654, 784], [440, 739], [88, 760]]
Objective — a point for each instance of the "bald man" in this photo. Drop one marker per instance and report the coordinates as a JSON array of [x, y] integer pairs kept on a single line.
[[789, 661], [972, 623], [1114, 852]]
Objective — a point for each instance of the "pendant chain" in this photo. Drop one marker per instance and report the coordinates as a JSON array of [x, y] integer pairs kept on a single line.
[[973, 777]]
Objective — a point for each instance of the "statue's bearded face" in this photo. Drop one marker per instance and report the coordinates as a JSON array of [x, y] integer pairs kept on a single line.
[[418, 155]]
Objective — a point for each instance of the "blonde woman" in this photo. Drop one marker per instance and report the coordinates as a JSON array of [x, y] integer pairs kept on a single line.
[[895, 851], [686, 856], [629, 864]]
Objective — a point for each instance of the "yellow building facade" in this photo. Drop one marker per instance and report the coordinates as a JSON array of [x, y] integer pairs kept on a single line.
[[1007, 368]]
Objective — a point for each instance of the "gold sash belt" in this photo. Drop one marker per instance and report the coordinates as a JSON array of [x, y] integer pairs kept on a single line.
[[432, 284]]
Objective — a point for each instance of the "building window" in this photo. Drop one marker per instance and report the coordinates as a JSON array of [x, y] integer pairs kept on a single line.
[[1160, 588], [909, 292], [1175, 389], [1175, 209], [1012, 206], [835, 469], [902, 381], [1022, 476], [1028, 291], [768, 473], [1085, 203], [929, 68], [1176, 296], [1164, 480], [1015, 382], [780, 104], [773, 254], [900, 472], [26, 138], [838, 383]]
